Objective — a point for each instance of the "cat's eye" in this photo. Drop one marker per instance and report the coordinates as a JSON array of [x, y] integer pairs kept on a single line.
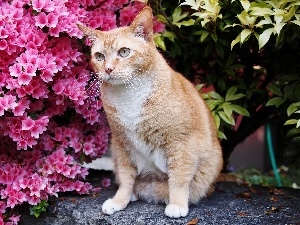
[[99, 56], [124, 52]]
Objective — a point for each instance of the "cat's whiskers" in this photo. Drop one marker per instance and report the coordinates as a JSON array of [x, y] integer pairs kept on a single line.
[[130, 84], [93, 86], [137, 81], [132, 79]]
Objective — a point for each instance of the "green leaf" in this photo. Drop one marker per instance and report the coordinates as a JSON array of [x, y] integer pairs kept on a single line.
[[227, 119], [230, 59], [297, 22], [215, 95], [289, 15], [221, 84], [230, 71], [240, 110], [291, 122], [208, 50], [198, 87], [217, 120], [244, 34], [293, 108], [277, 101], [81, 158], [275, 89], [204, 36], [177, 16], [245, 4], [231, 91], [267, 20], [260, 11], [189, 22], [297, 91], [221, 135], [194, 4], [212, 103], [230, 95], [159, 40], [289, 77], [246, 19], [203, 33], [279, 40], [200, 32], [214, 37], [288, 90], [219, 50], [162, 18], [170, 35], [235, 41], [278, 27], [264, 37], [227, 109]]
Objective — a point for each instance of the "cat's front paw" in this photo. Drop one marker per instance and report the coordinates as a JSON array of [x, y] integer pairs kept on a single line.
[[110, 207], [176, 211]]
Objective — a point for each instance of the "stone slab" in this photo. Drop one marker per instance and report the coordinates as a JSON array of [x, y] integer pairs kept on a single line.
[[229, 204]]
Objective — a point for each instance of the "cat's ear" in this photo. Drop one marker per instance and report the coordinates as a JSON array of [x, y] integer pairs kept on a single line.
[[90, 33], [142, 26]]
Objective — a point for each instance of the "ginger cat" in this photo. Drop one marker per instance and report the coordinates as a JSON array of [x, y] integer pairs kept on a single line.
[[164, 140]]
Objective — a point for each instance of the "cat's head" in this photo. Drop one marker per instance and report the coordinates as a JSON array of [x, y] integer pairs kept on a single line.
[[123, 53]]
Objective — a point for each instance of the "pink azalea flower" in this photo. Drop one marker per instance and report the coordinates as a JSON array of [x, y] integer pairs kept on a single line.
[[24, 78], [3, 44], [52, 19], [127, 15], [23, 104], [38, 5], [47, 75], [59, 87], [50, 5], [4, 33], [88, 148], [15, 70], [2, 207], [14, 219], [66, 171], [105, 182], [14, 197], [28, 124], [1, 109], [54, 31], [158, 27], [39, 77], [33, 200], [41, 20]]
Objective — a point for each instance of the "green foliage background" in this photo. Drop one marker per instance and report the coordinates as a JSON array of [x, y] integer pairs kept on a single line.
[[248, 53]]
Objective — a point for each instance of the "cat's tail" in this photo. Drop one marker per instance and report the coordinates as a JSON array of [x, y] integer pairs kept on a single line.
[[152, 188]]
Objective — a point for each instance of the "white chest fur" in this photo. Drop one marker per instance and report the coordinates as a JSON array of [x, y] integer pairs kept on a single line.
[[128, 103]]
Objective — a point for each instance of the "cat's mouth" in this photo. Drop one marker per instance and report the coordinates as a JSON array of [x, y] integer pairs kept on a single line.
[[112, 80]]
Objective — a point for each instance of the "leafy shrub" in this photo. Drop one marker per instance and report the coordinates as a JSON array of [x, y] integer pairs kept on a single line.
[[242, 48]]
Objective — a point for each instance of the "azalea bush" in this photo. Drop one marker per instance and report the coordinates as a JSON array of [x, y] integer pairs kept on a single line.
[[246, 53], [51, 118]]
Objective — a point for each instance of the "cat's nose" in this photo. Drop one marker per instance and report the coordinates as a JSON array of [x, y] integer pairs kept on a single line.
[[108, 70]]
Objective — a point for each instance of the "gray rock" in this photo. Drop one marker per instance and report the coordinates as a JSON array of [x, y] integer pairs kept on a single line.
[[229, 204]]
